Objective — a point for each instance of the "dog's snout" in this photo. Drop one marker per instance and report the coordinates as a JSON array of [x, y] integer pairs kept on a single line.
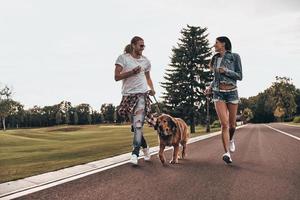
[[161, 128]]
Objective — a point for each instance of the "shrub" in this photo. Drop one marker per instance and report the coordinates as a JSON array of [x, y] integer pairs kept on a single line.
[[216, 124], [296, 119]]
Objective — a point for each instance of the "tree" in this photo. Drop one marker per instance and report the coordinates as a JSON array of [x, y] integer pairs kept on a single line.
[[297, 100], [75, 118], [16, 119], [58, 118], [247, 114], [108, 112], [187, 75], [7, 105], [84, 113], [283, 93], [279, 101]]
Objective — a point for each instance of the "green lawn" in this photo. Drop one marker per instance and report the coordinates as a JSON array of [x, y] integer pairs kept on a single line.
[[28, 152], [292, 123]]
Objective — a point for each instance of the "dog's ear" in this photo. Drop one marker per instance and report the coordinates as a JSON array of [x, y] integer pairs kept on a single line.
[[172, 125]]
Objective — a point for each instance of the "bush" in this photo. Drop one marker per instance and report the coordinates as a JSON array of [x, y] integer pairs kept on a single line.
[[289, 119], [296, 119], [216, 124]]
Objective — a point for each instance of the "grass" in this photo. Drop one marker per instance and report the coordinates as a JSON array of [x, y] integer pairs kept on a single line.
[[293, 123], [28, 152]]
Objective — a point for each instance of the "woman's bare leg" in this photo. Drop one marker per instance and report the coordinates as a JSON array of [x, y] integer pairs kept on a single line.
[[222, 112], [232, 108]]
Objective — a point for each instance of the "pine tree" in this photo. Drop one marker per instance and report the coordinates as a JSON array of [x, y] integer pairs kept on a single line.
[[187, 76]]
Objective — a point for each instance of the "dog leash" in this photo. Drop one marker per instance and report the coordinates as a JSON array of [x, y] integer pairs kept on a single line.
[[158, 107]]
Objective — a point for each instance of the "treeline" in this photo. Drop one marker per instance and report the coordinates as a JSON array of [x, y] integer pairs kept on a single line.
[[280, 102], [62, 113]]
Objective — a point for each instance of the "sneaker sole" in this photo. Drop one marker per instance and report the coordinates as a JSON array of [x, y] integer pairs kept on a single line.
[[147, 159], [133, 163], [227, 159]]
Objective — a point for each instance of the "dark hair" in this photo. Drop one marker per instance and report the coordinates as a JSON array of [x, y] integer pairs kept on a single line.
[[135, 39], [227, 42]]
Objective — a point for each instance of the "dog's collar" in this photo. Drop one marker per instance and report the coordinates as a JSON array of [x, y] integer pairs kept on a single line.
[[164, 136]]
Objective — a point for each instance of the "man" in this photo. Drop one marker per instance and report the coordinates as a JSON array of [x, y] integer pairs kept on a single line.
[[134, 70]]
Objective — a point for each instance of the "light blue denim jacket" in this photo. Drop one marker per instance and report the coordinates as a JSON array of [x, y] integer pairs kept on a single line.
[[233, 70]]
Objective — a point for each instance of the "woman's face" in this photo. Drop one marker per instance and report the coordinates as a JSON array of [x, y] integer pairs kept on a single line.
[[219, 46]]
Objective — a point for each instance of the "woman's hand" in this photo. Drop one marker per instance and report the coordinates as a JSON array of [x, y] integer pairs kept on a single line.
[[222, 70]]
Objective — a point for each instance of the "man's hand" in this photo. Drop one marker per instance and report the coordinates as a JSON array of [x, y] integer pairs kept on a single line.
[[207, 91], [152, 92], [136, 70]]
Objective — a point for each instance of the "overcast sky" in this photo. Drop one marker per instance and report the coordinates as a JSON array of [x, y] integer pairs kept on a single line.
[[65, 49]]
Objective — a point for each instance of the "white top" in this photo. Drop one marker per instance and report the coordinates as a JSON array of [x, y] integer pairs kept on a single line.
[[219, 60], [136, 83]]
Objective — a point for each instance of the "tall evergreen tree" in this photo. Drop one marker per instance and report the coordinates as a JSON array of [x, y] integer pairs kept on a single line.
[[187, 75]]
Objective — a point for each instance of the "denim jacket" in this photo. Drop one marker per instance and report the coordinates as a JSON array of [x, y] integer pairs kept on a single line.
[[233, 70]]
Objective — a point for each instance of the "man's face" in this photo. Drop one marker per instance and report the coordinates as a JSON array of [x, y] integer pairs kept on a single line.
[[139, 47]]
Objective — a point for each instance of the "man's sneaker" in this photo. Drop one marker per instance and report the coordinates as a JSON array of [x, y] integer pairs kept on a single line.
[[147, 155], [134, 159], [231, 146], [227, 158]]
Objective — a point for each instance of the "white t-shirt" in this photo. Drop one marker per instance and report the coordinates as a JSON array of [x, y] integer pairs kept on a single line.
[[136, 83]]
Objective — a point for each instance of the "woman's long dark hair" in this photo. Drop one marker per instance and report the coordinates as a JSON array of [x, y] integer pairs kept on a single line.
[[227, 42]]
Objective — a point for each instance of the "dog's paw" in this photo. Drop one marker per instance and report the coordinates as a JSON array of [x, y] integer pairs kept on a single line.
[[163, 161], [173, 161]]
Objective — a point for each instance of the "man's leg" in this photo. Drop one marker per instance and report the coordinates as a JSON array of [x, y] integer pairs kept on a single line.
[[138, 122]]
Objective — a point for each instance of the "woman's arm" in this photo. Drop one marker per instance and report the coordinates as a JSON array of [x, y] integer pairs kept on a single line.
[[237, 74]]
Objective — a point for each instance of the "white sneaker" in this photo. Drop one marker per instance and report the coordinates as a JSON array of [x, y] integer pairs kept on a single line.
[[231, 146], [134, 159], [227, 158], [147, 155]]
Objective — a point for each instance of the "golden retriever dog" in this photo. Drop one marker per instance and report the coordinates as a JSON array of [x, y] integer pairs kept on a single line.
[[171, 132]]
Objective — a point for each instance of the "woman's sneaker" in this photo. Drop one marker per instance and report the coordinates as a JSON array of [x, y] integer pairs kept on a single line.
[[134, 159], [227, 158], [231, 146], [147, 155]]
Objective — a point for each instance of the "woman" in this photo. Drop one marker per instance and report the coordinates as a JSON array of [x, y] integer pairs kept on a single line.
[[134, 70], [227, 70]]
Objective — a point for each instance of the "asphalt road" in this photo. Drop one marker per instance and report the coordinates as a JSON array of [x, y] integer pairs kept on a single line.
[[266, 165]]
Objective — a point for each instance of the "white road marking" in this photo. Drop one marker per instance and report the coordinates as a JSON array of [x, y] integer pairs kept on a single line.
[[288, 134]]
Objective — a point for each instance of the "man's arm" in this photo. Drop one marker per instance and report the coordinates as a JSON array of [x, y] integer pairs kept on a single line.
[[150, 83], [121, 76]]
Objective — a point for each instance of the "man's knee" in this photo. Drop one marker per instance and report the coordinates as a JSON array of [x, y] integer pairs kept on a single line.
[[138, 124]]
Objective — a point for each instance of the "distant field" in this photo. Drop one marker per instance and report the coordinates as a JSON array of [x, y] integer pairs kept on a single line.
[[28, 152]]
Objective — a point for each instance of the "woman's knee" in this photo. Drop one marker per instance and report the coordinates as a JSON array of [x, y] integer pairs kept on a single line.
[[224, 124]]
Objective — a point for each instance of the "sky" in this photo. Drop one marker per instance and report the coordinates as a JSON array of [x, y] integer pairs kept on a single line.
[[58, 50]]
